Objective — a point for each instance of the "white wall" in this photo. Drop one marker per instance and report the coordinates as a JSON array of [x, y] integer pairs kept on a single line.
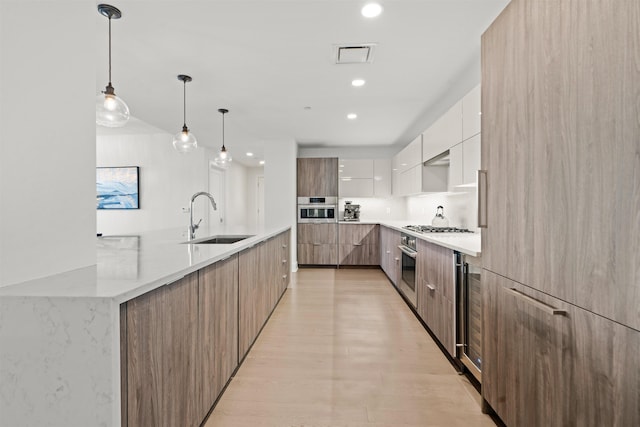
[[252, 195], [47, 134], [280, 188], [168, 179], [460, 208], [236, 195]]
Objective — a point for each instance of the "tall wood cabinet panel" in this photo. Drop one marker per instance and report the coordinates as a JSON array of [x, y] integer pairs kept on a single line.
[[161, 340], [218, 329], [560, 134], [317, 177], [569, 368]]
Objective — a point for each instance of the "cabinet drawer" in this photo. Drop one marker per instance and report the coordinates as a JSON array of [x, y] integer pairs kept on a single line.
[[317, 254], [318, 233], [359, 254], [569, 368], [365, 234]]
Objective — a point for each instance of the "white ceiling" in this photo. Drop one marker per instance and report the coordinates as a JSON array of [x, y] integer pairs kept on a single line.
[[265, 60]]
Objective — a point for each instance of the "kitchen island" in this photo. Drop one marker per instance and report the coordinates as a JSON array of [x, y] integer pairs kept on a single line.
[[60, 336]]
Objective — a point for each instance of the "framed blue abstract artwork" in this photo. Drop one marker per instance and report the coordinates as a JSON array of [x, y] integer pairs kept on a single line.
[[118, 187]]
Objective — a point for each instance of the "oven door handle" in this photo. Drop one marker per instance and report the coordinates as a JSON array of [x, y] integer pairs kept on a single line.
[[407, 252]]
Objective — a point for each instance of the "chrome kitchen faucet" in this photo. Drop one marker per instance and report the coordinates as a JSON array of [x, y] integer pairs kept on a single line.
[[193, 227]]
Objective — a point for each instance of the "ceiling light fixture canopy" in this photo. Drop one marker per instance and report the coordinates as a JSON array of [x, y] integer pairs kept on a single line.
[[185, 141], [224, 157], [111, 111]]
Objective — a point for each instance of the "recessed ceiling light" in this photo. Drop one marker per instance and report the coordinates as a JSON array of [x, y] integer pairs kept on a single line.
[[371, 10], [403, 164], [262, 162], [249, 154], [357, 82], [341, 166], [352, 116]]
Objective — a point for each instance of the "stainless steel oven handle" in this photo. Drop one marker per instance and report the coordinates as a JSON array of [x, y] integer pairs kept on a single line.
[[407, 252]]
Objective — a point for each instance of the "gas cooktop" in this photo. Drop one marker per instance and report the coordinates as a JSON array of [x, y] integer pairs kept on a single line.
[[431, 229]]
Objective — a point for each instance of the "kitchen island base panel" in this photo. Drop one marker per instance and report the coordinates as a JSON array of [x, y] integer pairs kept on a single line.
[[59, 362]]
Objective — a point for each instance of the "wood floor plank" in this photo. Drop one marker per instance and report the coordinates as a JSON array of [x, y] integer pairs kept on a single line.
[[343, 349]]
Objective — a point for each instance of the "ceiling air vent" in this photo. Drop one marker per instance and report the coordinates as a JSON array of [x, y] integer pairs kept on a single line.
[[354, 53]]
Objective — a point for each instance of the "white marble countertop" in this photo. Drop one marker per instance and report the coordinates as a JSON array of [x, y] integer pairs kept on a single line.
[[130, 265], [466, 243]]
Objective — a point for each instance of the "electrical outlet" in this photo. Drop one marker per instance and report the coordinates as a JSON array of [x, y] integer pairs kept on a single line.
[[388, 211]]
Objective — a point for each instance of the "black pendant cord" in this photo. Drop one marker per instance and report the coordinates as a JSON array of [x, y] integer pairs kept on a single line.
[[109, 50], [223, 148], [184, 106]]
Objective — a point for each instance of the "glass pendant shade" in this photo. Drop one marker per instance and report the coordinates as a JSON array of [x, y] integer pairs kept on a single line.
[[185, 141], [111, 111], [223, 158]]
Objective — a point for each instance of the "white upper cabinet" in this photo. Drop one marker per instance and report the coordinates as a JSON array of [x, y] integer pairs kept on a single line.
[[456, 174], [443, 134], [355, 168], [471, 159], [382, 177], [410, 156], [364, 178], [471, 113]]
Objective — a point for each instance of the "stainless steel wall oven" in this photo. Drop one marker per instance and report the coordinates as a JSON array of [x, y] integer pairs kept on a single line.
[[317, 209]]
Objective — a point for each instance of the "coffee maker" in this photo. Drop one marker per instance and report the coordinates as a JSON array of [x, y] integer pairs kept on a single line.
[[351, 212]]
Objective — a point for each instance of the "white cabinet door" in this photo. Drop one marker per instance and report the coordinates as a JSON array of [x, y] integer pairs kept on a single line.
[[471, 159], [355, 187], [410, 156], [355, 168], [456, 166], [443, 134], [382, 177], [471, 113]]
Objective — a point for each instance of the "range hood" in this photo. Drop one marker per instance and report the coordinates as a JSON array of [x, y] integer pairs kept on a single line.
[[435, 174], [439, 160]]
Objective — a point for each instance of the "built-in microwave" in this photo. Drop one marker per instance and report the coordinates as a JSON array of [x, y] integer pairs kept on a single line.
[[317, 209]]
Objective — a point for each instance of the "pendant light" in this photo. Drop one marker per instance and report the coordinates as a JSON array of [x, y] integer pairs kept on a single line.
[[111, 111], [224, 157], [185, 141]]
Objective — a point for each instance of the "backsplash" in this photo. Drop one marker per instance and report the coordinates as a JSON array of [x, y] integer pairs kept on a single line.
[[376, 208], [460, 208]]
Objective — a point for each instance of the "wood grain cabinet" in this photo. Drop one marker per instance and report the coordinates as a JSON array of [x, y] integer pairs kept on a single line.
[[160, 379], [261, 282], [359, 244], [435, 289], [560, 134], [547, 362], [181, 343], [217, 329], [390, 255], [317, 177], [318, 244]]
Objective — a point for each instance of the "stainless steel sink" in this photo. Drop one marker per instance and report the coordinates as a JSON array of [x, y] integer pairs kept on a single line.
[[219, 240]]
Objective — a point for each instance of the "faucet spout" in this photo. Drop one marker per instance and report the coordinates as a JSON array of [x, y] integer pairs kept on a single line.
[[193, 227]]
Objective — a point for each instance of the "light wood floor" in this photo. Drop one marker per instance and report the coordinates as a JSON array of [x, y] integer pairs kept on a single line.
[[343, 349]]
